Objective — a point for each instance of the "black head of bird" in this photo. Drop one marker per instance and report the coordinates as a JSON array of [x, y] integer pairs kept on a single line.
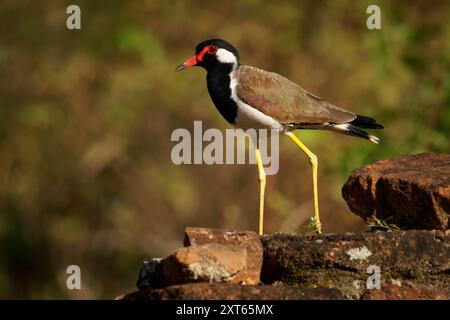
[[248, 97]]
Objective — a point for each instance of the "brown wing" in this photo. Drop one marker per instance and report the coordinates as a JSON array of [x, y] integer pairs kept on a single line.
[[284, 100]]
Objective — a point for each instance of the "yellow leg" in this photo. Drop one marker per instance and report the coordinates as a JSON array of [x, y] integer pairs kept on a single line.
[[313, 160], [262, 187]]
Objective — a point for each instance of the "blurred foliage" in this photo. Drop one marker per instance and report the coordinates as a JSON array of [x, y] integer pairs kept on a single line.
[[86, 118]]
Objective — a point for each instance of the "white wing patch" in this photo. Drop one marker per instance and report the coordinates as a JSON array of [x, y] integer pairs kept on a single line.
[[342, 126]]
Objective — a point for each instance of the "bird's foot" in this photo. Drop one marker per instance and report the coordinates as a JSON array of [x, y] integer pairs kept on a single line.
[[315, 224]]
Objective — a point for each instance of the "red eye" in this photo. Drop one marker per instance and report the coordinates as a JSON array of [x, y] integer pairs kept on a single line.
[[212, 49]]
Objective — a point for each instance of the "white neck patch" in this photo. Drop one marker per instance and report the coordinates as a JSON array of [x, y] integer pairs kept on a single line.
[[225, 56]]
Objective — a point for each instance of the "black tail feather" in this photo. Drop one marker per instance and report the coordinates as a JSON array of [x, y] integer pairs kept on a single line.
[[356, 131], [364, 122], [351, 130]]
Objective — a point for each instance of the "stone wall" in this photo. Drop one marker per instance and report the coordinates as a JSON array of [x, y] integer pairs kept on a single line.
[[405, 255]]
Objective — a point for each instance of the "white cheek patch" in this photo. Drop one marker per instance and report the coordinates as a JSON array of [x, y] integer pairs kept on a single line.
[[225, 56]]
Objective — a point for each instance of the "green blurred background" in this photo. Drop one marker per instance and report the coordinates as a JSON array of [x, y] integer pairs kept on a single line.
[[86, 118]]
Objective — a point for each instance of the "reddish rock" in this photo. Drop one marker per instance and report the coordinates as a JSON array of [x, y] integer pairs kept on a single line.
[[209, 255], [405, 292], [228, 291], [211, 262], [411, 192], [244, 239]]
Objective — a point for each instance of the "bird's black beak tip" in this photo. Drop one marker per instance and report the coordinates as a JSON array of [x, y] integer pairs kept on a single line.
[[180, 68]]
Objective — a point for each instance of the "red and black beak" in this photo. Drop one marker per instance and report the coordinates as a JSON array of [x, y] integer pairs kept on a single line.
[[196, 58], [189, 63]]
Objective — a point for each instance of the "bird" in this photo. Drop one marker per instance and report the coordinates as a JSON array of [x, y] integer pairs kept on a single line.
[[249, 97]]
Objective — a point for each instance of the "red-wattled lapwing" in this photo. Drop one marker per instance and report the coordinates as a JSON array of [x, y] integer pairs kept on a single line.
[[248, 97]]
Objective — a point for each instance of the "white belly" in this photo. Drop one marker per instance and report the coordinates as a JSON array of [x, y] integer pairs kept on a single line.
[[249, 117]]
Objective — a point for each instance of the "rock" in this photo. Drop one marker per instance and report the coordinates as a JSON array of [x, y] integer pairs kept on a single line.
[[228, 291], [209, 255], [395, 292], [341, 260], [244, 239], [411, 264], [411, 192], [151, 274], [211, 262]]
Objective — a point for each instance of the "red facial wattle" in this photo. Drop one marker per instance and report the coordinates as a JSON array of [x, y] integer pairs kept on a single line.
[[207, 49], [196, 58]]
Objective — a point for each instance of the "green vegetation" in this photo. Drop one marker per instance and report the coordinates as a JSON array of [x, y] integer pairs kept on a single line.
[[381, 224], [86, 118]]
